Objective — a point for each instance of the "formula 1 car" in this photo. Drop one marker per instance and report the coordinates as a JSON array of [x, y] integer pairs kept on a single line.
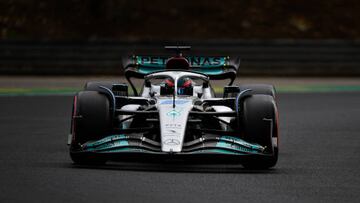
[[176, 115]]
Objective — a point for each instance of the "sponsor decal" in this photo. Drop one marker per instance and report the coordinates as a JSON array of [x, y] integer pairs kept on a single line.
[[171, 133], [171, 142], [173, 126], [177, 102], [173, 113], [195, 61]]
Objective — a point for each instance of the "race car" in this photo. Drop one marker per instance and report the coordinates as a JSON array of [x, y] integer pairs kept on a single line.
[[176, 114]]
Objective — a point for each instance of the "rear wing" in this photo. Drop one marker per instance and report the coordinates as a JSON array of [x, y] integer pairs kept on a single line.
[[216, 67]]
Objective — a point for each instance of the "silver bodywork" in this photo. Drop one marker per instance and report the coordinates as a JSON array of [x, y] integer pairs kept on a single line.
[[174, 118]]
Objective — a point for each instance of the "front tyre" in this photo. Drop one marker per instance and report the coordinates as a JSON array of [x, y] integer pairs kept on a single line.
[[91, 121], [260, 123], [259, 89]]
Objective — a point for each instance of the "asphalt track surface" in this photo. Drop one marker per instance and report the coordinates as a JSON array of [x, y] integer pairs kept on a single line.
[[319, 159]]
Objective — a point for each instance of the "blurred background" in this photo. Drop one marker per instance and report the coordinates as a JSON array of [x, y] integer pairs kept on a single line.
[[274, 38], [178, 20]]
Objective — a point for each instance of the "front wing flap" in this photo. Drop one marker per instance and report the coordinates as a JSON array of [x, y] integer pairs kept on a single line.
[[137, 143]]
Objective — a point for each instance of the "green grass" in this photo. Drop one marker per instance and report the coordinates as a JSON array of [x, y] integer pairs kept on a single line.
[[37, 91]]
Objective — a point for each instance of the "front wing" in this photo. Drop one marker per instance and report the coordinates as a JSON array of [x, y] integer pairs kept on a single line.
[[136, 145]]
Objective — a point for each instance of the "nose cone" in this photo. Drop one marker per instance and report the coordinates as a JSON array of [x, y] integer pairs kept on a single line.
[[173, 123]]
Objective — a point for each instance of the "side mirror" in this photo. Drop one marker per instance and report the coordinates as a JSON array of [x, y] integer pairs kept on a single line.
[[120, 90], [231, 91], [152, 94]]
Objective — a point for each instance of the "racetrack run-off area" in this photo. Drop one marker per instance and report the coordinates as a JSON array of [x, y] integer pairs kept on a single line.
[[319, 159]]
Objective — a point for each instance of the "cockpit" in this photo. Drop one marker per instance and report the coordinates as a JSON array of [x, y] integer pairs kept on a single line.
[[169, 83]]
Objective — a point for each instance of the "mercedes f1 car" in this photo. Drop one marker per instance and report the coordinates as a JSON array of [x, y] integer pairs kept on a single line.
[[176, 114]]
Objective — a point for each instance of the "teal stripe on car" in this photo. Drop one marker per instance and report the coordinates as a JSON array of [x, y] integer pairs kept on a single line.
[[238, 144], [107, 142]]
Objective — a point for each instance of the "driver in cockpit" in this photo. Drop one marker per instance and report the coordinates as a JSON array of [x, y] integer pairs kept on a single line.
[[184, 87]]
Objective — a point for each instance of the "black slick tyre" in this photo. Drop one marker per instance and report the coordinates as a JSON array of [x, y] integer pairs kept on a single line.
[[259, 89], [96, 86], [91, 121], [260, 124]]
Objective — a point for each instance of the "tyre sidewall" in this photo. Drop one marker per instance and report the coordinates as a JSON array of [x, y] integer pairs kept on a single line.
[[93, 118]]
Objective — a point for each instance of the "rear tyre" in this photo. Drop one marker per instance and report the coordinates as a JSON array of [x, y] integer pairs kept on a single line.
[[260, 123], [91, 121]]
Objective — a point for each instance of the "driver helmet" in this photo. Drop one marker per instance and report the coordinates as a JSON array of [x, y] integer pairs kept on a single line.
[[185, 86], [167, 87]]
